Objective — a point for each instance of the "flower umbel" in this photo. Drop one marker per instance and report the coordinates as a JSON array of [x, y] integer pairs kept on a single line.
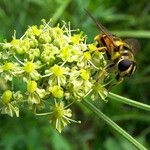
[[52, 66]]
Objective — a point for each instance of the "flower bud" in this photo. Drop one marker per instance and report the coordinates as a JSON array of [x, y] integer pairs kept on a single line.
[[84, 74], [45, 38], [57, 91], [31, 86], [33, 42], [33, 53], [87, 55], [20, 51], [8, 66], [57, 70], [7, 96], [29, 67]]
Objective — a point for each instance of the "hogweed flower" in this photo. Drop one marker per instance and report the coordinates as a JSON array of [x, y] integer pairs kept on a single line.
[[56, 91], [57, 75], [34, 93], [61, 116], [54, 64], [8, 70], [9, 104]]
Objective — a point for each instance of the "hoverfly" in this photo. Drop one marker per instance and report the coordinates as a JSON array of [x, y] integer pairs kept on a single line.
[[118, 51]]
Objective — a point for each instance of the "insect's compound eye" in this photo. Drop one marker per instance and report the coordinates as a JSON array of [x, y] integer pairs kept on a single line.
[[124, 64]]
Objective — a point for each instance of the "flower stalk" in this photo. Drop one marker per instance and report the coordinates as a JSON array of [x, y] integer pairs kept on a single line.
[[128, 101], [111, 123]]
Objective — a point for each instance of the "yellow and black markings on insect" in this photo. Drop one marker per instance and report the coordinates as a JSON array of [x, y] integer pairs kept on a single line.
[[119, 52]]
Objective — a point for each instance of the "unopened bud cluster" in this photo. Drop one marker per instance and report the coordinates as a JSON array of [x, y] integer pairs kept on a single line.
[[56, 67]]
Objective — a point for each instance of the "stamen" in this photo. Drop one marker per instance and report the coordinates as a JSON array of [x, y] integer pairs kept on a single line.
[[71, 120], [19, 60], [57, 121], [88, 93], [47, 75], [58, 81], [93, 65], [63, 63], [43, 114], [69, 104]]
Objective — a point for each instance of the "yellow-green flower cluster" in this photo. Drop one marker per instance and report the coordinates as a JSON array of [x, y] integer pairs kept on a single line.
[[55, 66]]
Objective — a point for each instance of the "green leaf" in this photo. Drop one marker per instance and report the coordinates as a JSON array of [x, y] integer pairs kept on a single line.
[[59, 142]]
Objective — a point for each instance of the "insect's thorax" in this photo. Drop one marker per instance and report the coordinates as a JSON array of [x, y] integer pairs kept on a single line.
[[116, 50]]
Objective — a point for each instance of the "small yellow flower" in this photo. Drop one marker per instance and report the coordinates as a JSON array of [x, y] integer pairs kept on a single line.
[[7, 96], [84, 74], [31, 86], [8, 66], [57, 70], [34, 93], [29, 67], [35, 30], [99, 91], [92, 47], [57, 75], [87, 55], [15, 41], [9, 106], [57, 91], [76, 38], [60, 116]]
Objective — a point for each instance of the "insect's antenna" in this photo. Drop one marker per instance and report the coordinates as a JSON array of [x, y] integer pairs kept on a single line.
[[100, 26]]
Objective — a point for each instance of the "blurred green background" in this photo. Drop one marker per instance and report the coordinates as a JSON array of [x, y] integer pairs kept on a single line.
[[124, 18]]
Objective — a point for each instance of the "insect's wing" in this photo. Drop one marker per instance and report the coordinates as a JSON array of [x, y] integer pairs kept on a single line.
[[101, 27], [134, 43]]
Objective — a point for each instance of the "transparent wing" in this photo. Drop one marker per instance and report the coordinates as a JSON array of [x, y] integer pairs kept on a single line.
[[102, 28], [134, 43]]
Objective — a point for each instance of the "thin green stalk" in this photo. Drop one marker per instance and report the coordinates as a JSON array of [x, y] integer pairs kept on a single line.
[[137, 117], [129, 101], [113, 125], [132, 33], [60, 10]]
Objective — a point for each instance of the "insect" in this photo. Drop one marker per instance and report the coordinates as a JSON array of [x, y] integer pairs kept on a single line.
[[119, 52]]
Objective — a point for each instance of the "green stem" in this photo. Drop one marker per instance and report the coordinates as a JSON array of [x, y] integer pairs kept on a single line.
[[137, 117], [60, 10], [129, 101], [113, 125], [132, 33]]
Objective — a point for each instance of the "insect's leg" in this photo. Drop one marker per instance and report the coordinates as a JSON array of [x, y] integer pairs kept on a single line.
[[98, 49], [110, 65], [101, 49], [104, 72], [119, 79]]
